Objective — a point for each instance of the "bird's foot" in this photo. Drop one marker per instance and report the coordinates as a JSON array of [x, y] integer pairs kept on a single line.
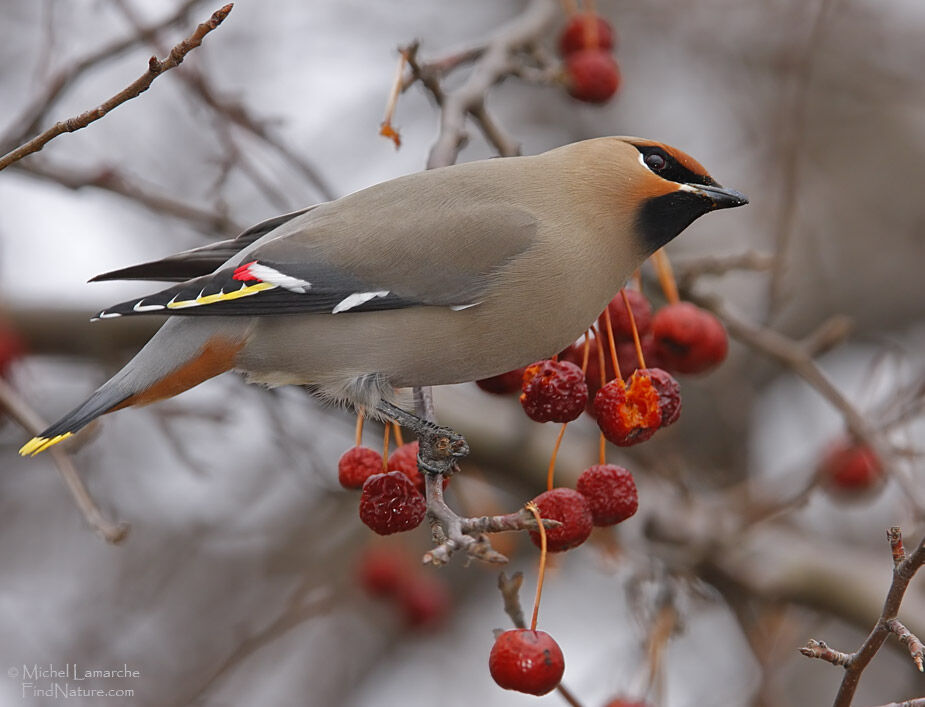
[[440, 448]]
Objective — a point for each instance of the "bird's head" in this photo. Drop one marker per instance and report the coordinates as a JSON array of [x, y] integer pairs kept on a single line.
[[669, 190]]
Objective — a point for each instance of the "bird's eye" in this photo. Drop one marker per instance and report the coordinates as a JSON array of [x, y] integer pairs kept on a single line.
[[655, 162]]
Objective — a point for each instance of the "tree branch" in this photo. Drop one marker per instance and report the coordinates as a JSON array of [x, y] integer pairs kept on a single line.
[[156, 67], [33, 424], [855, 663]]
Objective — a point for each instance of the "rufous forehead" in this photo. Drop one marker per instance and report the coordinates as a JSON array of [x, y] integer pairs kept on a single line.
[[684, 159]]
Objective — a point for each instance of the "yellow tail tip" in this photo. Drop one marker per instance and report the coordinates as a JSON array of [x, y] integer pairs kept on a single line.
[[40, 444]]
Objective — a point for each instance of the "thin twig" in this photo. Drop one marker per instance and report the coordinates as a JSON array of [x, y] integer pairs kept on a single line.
[[156, 67], [30, 421], [32, 117], [799, 359], [855, 663]]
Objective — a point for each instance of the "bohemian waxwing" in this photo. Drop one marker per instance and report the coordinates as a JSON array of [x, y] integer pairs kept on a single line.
[[439, 277]]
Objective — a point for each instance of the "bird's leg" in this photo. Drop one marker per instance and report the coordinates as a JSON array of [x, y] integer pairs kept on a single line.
[[440, 447], [439, 450]]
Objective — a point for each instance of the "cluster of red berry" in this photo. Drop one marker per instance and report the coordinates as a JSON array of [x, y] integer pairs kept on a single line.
[[530, 661], [392, 495], [586, 45], [629, 408], [422, 598], [606, 495]]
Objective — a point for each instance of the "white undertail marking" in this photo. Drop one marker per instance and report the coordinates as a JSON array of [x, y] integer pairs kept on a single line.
[[356, 299]]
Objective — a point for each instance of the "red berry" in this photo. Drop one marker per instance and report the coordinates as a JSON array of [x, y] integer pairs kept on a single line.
[[425, 601], [611, 493], [851, 469], [586, 30], [502, 384], [405, 460], [669, 393], [689, 339], [572, 510], [628, 414], [389, 503], [620, 318], [382, 571], [526, 661], [629, 359], [626, 702], [356, 465], [12, 347], [553, 391], [592, 75]]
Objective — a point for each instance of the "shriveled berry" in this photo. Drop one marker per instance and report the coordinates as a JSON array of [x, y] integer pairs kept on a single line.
[[504, 383], [689, 339], [620, 318], [611, 493], [553, 391], [405, 460], [592, 75], [569, 508], [356, 465], [389, 503], [628, 414], [424, 600], [381, 571], [851, 469], [586, 30], [526, 661], [669, 393]]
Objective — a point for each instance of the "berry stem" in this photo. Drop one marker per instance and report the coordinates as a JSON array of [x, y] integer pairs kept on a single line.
[[629, 310], [590, 18], [666, 276], [612, 344], [569, 7], [531, 506], [385, 448], [586, 352], [600, 356], [602, 449], [552, 459], [385, 128], [399, 439], [637, 279], [359, 430]]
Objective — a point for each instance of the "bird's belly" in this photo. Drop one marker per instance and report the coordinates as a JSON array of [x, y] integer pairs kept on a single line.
[[407, 347]]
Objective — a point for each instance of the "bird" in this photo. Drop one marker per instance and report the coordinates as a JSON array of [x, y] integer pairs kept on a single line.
[[444, 276]]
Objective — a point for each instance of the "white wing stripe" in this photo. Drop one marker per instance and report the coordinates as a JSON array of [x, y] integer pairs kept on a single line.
[[356, 299], [273, 276]]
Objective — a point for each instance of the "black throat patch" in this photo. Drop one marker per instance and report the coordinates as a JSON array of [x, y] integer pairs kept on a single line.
[[661, 218]]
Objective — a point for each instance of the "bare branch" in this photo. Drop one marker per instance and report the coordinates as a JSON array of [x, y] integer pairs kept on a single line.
[[156, 67], [30, 421], [238, 114], [33, 116], [799, 359], [855, 663], [490, 67], [112, 180]]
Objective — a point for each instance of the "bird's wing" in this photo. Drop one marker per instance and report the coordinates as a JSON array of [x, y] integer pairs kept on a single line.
[[331, 264], [198, 261]]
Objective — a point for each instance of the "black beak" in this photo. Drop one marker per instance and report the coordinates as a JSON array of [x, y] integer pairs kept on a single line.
[[720, 197]]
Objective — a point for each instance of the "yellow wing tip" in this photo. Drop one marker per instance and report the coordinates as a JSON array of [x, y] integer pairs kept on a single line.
[[40, 444]]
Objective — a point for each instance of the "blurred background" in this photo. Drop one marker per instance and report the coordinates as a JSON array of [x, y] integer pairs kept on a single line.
[[238, 581]]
